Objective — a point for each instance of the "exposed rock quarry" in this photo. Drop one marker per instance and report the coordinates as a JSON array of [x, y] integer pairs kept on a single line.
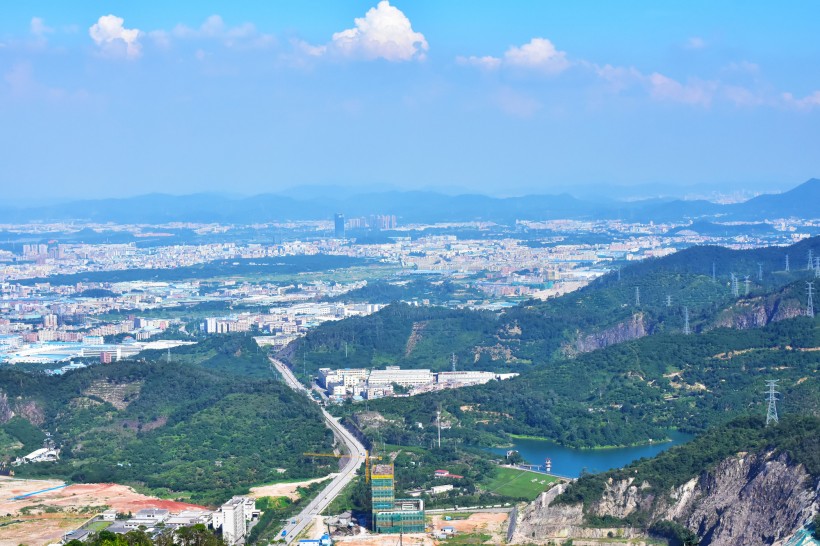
[[627, 330], [752, 499], [541, 523]]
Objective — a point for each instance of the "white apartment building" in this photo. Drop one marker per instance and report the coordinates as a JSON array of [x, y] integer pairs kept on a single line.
[[232, 518]]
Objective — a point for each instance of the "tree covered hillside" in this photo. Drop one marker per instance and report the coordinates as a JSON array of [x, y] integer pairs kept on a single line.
[[644, 298], [174, 428], [626, 393]]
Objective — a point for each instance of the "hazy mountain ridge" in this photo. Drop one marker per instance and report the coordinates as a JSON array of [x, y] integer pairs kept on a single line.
[[414, 206]]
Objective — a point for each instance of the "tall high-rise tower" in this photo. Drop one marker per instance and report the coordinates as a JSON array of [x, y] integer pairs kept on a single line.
[[392, 515], [339, 225]]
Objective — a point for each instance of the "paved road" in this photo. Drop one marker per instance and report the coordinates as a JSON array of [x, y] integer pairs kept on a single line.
[[346, 474]]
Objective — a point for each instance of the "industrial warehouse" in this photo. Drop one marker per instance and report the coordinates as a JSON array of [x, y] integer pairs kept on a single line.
[[362, 383]]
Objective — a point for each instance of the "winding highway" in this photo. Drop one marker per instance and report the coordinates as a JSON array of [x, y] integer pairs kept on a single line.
[[356, 450]]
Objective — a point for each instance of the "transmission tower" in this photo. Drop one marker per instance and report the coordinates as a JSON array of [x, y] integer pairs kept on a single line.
[[787, 262], [619, 272], [735, 290], [810, 302], [816, 267], [759, 272], [668, 300], [637, 296], [438, 422], [746, 281], [686, 330], [811, 260], [713, 272], [771, 414], [453, 360]]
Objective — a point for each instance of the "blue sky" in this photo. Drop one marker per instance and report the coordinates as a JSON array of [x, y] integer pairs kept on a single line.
[[102, 99]]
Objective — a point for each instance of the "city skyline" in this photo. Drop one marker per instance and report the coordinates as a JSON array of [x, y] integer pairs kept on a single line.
[[110, 99]]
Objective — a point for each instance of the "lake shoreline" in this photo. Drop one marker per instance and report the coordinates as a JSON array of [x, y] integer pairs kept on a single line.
[[573, 462], [649, 442]]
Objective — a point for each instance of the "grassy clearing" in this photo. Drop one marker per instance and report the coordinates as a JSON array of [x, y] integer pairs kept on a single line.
[[518, 483], [470, 538]]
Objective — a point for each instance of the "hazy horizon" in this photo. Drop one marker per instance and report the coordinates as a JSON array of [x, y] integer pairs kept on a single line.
[[634, 192]]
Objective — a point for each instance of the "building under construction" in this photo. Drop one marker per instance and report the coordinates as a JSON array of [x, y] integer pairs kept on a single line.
[[392, 515]]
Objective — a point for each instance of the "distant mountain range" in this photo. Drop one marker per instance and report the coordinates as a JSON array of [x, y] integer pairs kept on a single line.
[[415, 206]]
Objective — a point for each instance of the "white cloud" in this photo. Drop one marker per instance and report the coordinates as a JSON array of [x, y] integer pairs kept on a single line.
[[538, 54], [696, 92], [38, 27], [20, 84], [383, 33], [161, 38], [114, 39], [742, 67], [214, 28], [806, 103], [619, 78], [309, 49], [487, 62], [695, 42]]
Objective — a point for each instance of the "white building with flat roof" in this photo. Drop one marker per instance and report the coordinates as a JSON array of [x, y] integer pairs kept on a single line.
[[405, 378]]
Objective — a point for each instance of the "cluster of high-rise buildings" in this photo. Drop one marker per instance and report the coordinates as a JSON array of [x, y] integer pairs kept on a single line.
[[374, 221]]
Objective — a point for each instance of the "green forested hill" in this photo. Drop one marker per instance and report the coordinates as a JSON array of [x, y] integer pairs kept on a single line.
[[404, 335], [628, 393], [178, 428], [601, 314]]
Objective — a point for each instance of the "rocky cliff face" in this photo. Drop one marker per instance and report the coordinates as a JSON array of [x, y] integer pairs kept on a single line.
[[6, 413], [26, 409], [30, 410], [758, 312], [748, 499], [627, 330], [752, 499]]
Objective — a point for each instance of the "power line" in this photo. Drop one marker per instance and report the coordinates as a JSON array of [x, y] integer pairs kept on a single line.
[[771, 414]]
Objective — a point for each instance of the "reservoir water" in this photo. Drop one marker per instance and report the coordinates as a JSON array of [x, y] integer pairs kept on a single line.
[[569, 462]]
